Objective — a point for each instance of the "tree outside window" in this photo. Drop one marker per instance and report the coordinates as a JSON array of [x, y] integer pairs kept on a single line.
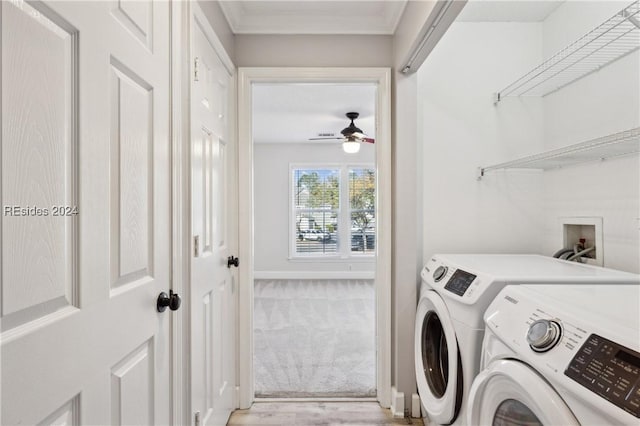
[[317, 212], [362, 202]]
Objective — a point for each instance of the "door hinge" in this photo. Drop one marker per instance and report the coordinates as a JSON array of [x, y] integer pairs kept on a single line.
[[197, 418], [196, 246], [196, 61]]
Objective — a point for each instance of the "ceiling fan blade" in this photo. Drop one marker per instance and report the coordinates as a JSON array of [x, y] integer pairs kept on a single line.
[[325, 139], [362, 137]]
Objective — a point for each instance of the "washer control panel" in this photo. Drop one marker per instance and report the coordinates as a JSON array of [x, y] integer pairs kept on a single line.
[[459, 282], [610, 370]]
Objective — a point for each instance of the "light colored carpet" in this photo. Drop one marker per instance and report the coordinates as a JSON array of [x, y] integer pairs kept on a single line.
[[314, 338]]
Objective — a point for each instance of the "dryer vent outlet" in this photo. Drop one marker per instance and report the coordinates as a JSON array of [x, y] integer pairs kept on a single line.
[[584, 232]]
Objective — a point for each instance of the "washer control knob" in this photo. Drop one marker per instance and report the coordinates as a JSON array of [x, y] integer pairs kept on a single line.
[[543, 335], [439, 273]]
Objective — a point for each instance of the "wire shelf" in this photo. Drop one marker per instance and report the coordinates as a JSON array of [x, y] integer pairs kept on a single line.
[[615, 145], [610, 41]]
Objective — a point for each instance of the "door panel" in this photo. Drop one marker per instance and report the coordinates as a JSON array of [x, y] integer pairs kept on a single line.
[[213, 368], [38, 104], [137, 18], [131, 167], [132, 392], [86, 249]]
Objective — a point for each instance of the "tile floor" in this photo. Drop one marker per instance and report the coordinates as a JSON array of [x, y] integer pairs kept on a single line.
[[317, 413]]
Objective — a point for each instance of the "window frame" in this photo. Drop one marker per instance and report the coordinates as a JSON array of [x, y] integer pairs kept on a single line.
[[343, 252]]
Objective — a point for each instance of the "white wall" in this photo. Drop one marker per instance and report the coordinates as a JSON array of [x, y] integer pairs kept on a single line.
[[518, 211], [272, 208], [407, 233], [602, 103], [219, 23], [461, 129]]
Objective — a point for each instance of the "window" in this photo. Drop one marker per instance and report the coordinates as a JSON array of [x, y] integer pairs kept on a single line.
[[362, 206], [331, 206]]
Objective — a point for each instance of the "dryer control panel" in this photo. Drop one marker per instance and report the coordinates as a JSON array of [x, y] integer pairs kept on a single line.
[[459, 282], [609, 370]]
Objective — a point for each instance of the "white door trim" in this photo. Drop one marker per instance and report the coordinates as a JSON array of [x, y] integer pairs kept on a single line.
[[382, 78], [181, 243], [183, 15]]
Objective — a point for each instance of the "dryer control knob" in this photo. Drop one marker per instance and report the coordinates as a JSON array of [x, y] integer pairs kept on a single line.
[[439, 273], [543, 335]]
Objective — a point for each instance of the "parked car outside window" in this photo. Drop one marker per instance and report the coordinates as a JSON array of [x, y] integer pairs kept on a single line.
[[315, 235]]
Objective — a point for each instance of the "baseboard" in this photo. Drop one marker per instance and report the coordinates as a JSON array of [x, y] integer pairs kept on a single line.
[[397, 403], [313, 275], [415, 406]]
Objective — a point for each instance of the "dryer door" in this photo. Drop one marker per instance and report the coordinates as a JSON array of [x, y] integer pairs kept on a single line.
[[437, 360], [509, 392]]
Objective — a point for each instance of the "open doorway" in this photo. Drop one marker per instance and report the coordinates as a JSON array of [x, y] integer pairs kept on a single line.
[[314, 240], [310, 234]]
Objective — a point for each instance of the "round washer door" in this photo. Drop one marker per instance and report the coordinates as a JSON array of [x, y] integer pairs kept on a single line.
[[437, 360], [509, 392]]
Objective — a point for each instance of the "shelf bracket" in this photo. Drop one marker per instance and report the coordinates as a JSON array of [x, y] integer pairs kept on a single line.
[[480, 173], [634, 21], [496, 98]]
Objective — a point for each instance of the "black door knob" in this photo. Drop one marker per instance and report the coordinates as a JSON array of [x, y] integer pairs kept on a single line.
[[171, 300], [232, 261]]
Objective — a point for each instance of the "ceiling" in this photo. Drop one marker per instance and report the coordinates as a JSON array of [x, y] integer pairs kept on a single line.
[[313, 16], [507, 11], [290, 113]]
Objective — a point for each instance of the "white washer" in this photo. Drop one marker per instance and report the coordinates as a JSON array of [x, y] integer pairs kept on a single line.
[[455, 292], [560, 355]]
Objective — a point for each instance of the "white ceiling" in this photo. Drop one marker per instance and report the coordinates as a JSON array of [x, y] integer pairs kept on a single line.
[[286, 113], [507, 11], [313, 16]]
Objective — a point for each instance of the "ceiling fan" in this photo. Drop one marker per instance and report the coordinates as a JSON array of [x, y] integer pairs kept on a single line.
[[352, 135]]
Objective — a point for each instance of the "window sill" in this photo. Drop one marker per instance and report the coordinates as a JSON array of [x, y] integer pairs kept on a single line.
[[363, 258]]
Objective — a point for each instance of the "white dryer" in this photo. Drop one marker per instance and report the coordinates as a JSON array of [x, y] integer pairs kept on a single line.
[[560, 355], [456, 290]]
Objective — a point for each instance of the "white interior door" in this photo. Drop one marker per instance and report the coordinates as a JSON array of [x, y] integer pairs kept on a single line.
[[85, 225], [212, 288]]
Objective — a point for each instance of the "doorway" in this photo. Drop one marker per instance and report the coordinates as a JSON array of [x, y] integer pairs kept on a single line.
[[314, 240], [315, 233]]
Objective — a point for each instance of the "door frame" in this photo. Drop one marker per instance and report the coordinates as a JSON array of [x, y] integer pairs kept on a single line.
[[381, 77], [183, 14]]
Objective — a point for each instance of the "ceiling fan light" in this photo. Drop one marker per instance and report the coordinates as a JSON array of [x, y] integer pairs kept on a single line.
[[351, 147]]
